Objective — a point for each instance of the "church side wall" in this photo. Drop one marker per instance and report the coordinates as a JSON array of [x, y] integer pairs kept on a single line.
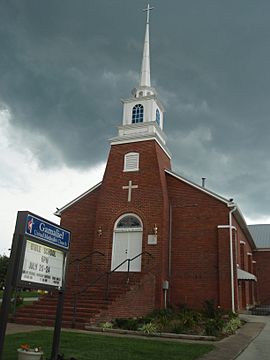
[[245, 290], [262, 258], [80, 220], [195, 244]]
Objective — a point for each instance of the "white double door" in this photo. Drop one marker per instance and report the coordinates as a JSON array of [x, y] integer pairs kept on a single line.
[[127, 245]]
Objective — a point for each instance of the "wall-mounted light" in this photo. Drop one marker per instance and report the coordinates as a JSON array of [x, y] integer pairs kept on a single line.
[[99, 232], [155, 229]]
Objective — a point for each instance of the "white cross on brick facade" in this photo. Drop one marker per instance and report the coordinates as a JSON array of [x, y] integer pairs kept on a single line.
[[129, 187]]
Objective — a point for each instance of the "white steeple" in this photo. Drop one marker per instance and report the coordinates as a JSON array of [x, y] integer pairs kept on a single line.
[[143, 112], [145, 70]]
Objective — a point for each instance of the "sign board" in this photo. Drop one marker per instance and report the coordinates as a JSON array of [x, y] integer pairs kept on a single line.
[[46, 231], [37, 260], [42, 264], [44, 248]]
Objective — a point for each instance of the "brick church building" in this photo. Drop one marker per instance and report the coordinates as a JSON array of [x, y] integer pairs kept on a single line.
[[147, 238], [191, 238]]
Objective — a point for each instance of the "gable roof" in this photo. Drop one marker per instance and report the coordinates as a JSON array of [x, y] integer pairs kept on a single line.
[[201, 188], [78, 198], [261, 235], [230, 204]]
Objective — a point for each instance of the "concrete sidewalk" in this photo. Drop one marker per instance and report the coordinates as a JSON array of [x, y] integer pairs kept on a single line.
[[259, 348]]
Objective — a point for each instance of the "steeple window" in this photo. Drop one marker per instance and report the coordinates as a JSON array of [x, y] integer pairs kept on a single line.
[[158, 117], [137, 114]]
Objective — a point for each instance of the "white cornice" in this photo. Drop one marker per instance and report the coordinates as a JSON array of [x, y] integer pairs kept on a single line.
[[120, 140], [143, 98]]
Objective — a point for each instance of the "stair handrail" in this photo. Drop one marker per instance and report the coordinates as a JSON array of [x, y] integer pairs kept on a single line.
[[79, 260], [118, 266], [107, 273]]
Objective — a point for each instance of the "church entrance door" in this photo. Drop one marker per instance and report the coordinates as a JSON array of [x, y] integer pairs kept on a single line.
[[127, 243]]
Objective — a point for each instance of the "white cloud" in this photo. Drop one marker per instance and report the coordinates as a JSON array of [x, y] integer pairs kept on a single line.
[[25, 186]]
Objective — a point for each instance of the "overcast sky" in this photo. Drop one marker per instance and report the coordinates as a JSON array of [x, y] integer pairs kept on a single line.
[[65, 65]]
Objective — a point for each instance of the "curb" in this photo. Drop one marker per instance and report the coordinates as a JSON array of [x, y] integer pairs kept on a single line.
[[155, 335]]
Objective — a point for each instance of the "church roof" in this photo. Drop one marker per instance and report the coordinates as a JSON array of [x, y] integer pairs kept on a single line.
[[202, 188], [237, 214], [261, 235]]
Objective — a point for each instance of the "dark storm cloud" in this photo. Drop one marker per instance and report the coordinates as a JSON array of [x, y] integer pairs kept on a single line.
[[64, 66]]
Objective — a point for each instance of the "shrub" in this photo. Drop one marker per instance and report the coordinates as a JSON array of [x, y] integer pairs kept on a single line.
[[213, 327], [106, 325], [210, 310], [149, 328], [231, 326]]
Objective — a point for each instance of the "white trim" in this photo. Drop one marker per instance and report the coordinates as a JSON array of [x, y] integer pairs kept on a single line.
[[249, 254], [131, 158], [242, 242], [260, 250], [127, 141], [254, 261], [227, 227], [72, 202]]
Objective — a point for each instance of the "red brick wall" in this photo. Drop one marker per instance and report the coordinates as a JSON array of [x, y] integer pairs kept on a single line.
[[80, 220], [200, 257], [195, 244], [149, 202], [105, 205], [137, 302], [245, 289], [263, 270]]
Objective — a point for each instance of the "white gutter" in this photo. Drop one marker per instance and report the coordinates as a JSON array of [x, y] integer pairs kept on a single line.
[[231, 253]]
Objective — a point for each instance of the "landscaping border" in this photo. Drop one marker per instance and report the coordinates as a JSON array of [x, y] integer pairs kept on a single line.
[[161, 335]]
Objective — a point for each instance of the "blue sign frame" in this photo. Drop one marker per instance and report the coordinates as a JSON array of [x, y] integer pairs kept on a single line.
[[47, 231]]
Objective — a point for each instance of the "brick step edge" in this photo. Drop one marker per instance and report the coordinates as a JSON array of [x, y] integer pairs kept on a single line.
[[155, 335]]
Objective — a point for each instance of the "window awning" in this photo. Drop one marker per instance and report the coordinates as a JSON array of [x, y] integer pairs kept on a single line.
[[244, 275]]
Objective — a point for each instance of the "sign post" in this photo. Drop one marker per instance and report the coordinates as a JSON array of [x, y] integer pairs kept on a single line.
[[38, 261]]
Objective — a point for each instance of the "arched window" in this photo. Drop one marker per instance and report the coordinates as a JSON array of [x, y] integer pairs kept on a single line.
[[137, 114], [158, 117], [129, 221]]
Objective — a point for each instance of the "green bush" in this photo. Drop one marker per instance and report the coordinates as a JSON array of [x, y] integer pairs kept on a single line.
[[149, 328], [213, 327], [210, 310], [231, 326], [211, 321]]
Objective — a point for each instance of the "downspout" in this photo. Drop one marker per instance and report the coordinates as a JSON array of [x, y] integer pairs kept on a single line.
[[170, 242], [167, 292], [231, 254]]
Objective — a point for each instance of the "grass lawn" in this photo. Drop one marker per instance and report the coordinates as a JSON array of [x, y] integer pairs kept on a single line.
[[102, 347], [24, 294]]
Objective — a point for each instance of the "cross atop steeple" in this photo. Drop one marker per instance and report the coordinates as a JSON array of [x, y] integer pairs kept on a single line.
[[148, 13]]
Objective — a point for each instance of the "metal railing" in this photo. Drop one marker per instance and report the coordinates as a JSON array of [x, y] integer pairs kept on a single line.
[[128, 261], [106, 274], [79, 261]]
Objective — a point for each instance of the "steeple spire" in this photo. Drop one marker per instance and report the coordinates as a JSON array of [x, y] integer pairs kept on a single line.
[[145, 70]]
